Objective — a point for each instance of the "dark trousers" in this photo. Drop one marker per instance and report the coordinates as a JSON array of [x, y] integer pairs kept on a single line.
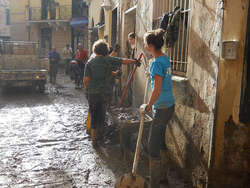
[[157, 131], [77, 73], [67, 65], [53, 72], [97, 108]]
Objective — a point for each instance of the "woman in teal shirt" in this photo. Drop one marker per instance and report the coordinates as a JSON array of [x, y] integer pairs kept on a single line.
[[161, 101]]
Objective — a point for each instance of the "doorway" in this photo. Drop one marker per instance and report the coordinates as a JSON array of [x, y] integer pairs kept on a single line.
[[46, 38], [245, 99], [114, 27]]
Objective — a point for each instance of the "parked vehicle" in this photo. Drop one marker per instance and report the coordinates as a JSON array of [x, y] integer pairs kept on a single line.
[[21, 65]]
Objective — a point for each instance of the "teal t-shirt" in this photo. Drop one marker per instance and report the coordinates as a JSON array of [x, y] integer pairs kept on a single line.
[[161, 66]]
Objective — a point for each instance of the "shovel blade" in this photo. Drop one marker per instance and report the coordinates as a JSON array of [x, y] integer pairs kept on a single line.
[[130, 181]]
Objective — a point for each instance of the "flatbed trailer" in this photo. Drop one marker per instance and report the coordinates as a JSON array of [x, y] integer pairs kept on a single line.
[[21, 65]]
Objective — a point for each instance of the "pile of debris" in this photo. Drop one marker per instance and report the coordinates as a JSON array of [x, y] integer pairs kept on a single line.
[[127, 121]]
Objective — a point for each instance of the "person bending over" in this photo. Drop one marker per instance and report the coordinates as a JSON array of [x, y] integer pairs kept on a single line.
[[98, 85]]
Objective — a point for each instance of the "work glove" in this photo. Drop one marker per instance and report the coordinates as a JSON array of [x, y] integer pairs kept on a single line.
[[143, 108], [138, 63], [119, 73]]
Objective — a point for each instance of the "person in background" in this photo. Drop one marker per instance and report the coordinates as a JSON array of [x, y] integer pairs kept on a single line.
[[67, 55], [81, 57], [115, 51], [97, 84], [161, 100], [131, 40], [115, 77], [132, 51], [54, 58]]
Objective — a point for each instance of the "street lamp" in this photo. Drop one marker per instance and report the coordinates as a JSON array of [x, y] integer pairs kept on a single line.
[[106, 5]]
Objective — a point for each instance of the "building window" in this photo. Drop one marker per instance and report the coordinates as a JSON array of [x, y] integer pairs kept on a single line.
[[179, 53], [7, 16]]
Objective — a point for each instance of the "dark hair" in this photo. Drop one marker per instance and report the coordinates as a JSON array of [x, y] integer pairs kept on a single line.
[[117, 48], [131, 35], [155, 37], [101, 47], [111, 49]]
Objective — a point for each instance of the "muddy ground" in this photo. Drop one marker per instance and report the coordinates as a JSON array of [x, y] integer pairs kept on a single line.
[[44, 142]]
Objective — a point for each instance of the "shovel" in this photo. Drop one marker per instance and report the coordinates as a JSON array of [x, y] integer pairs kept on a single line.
[[125, 91], [132, 180]]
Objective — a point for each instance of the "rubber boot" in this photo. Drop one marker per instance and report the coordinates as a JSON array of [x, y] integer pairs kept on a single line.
[[93, 137], [100, 132], [88, 124], [164, 164], [155, 173]]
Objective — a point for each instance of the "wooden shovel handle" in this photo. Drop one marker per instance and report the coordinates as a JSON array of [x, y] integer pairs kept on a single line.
[[124, 93], [138, 146]]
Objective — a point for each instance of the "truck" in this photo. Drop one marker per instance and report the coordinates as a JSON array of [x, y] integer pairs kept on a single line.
[[21, 65]]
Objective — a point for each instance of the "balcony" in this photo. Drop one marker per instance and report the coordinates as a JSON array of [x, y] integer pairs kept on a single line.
[[37, 14]]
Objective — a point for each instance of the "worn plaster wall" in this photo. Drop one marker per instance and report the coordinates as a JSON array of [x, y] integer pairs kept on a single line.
[[94, 17], [18, 20], [190, 133], [189, 136], [232, 144], [61, 37], [144, 23]]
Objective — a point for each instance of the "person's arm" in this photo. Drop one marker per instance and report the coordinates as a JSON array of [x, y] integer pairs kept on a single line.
[[86, 80], [129, 61], [113, 54], [116, 73], [156, 92], [118, 61]]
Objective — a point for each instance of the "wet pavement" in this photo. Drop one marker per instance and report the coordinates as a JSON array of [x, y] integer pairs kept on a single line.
[[43, 141]]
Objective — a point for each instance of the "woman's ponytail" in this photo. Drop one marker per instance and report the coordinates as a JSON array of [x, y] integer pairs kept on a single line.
[[155, 38]]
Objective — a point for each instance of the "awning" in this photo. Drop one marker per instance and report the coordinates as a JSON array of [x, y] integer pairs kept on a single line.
[[79, 22]]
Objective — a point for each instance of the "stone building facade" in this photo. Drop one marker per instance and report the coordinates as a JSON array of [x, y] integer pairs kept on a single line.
[[51, 22], [4, 25], [207, 139]]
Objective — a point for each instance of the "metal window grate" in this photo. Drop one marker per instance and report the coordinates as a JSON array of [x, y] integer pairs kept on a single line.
[[179, 53]]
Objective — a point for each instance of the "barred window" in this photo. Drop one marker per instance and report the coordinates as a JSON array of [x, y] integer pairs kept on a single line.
[[179, 53]]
